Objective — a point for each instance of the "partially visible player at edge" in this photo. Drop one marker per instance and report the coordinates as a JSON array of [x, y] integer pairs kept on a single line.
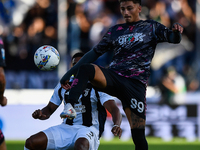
[[3, 99], [81, 133], [134, 44]]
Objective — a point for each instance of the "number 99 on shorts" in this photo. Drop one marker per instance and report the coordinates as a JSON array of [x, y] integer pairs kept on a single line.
[[137, 105]]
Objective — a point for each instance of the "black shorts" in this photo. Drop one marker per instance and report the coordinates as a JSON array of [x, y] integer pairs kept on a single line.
[[1, 137], [131, 92]]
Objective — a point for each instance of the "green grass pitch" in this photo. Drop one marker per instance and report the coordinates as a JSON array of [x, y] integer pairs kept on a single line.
[[116, 144]]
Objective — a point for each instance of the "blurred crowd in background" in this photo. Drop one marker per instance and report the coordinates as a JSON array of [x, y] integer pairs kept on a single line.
[[25, 25]]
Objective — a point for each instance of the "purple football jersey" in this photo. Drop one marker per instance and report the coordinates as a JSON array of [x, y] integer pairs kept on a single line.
[[134, 46]]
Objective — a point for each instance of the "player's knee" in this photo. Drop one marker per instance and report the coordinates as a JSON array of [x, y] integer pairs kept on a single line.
[[29, 143], [81, 144], [88, 69]]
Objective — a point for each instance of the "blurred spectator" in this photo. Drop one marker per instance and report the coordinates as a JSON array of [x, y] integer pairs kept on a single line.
[[191, 79], [87, 22], [159, 13], [98, 29], [171, 85], [38, 28], [79, 31], [6, 11]]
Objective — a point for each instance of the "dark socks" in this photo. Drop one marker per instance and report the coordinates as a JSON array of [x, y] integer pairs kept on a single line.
[[139, 139], [85, 73]]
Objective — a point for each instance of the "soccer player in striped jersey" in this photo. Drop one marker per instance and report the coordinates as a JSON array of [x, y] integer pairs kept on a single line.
[[133, 44], [3, 99], [82, 132]]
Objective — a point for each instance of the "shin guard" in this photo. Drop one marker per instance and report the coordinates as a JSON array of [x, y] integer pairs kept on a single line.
[[139, 139]]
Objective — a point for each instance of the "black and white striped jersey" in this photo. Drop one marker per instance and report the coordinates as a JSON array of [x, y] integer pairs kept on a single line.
[[90, 110]]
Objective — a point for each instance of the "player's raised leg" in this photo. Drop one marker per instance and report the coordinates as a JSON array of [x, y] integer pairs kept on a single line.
[[86, 72]]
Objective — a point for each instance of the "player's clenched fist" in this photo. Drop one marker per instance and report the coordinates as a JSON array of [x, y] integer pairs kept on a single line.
[[37, 114], [177, 27], [116, 130], [3, 102]]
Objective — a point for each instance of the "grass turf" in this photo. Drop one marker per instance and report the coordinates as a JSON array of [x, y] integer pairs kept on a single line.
[[116, 144], [154, 144]]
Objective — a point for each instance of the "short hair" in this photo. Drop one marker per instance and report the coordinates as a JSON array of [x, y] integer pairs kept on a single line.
[[134, 1], [79, 54]]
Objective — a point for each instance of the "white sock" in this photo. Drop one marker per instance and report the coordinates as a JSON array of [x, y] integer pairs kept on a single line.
[[25, 148]]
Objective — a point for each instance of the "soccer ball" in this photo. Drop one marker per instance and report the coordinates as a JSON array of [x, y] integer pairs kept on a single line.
[[46, 58]]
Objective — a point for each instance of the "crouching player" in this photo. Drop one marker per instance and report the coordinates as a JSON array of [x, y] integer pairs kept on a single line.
[[82, 132]]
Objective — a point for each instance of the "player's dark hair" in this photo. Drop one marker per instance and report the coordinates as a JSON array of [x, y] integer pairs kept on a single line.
[[79, 54], [134, 1]]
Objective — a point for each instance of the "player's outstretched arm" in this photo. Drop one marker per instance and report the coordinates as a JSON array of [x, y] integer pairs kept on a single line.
[[89, 57], [45, 113], [112, 108], [175, 35]]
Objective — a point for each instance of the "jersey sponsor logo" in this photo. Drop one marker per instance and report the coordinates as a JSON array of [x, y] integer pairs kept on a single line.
[[124, 39]]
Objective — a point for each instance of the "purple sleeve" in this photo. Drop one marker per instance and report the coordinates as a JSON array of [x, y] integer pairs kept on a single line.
[[164, 34], [161, 32]]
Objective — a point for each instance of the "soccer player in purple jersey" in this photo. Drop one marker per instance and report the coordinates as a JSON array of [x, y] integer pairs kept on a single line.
[[3, 99], [134, 44]]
